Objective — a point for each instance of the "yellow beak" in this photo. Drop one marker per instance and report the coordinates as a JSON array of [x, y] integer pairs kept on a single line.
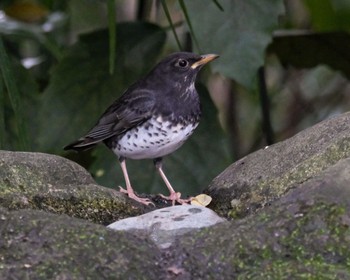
[[204, 59]]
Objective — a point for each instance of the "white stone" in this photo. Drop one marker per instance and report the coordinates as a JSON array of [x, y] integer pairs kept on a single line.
[[164, 225]]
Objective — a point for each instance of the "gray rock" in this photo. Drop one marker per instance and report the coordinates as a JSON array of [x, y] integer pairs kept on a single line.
[[263, 176], [164, 226], [304, 235], [58, 185], [39, 245]]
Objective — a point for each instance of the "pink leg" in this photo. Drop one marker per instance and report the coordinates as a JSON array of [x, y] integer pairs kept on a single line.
[[174, 196], [129, 190]]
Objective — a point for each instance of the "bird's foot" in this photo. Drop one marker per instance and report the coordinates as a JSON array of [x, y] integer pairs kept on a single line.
[[133, 196], [176, 197]]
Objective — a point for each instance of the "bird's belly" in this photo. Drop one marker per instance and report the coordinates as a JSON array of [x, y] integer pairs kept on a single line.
[[153, 139]]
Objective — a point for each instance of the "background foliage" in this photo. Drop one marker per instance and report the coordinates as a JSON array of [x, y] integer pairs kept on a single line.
[[284, 65]]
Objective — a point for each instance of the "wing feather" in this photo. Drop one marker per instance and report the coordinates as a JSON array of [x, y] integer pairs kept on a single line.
[[124, 114]]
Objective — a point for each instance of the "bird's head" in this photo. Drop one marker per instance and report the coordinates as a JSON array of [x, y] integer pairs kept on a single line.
[[182, 67]]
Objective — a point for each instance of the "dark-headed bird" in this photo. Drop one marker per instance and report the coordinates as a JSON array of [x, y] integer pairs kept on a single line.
[[152, 118]]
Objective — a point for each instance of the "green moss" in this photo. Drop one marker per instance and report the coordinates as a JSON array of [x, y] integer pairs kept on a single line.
[[39, 245], [91, 202], [257, 196], [308, 242]]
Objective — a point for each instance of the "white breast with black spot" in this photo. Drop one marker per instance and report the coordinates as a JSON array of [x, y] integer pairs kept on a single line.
[[154, 138]]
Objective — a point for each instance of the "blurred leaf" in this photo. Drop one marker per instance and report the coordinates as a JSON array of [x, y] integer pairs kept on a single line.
[[87, 16], [218, 5], [188, 21], [112, 35], [239, 34], [18, 31], [310, 50], [329, 15], [28, 11], [8, 75], [189, 169], [81, 87], [2, 114], [29, 93], [168, 16]]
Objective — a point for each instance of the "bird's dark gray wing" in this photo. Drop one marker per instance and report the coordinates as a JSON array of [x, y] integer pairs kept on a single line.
[[124, 114]]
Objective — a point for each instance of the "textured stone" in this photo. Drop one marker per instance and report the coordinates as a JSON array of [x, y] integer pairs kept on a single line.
[[58, 185], [263, 176], [165, 225], [304, 235], [39, 245]]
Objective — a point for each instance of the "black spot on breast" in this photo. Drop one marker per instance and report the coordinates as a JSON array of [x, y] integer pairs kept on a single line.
[[134, 145], [135, 135], [128, 136], [155, 134], [149, 134], [144, 140]]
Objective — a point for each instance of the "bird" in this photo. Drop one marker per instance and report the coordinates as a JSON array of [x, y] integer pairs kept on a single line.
[[152, 118]]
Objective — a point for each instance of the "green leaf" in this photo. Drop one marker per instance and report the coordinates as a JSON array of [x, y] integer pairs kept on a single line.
[[188, 21], [239, 34], [2, 114], [189, 169], [14, 95], [112, 35], [17, 30], [329, 15], [28, 95], [168, 16], [81, 87]]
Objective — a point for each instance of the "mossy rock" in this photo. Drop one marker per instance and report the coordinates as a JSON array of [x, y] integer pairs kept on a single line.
[[304, 235], [57, 185], [39, 245], [263, 176]]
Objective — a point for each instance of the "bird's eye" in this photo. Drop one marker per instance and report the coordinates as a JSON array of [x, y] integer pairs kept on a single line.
[[182, 63]]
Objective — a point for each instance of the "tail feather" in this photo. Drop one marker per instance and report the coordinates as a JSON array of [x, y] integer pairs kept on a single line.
[[81, 144]]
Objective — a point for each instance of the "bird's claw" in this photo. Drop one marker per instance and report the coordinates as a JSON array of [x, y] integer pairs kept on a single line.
[[133, 196], [176, 197]]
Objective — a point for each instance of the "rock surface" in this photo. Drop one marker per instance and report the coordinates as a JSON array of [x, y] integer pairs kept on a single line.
[[305, 235], [39, 245], [58, 185], [263, 176], [164, 226]]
